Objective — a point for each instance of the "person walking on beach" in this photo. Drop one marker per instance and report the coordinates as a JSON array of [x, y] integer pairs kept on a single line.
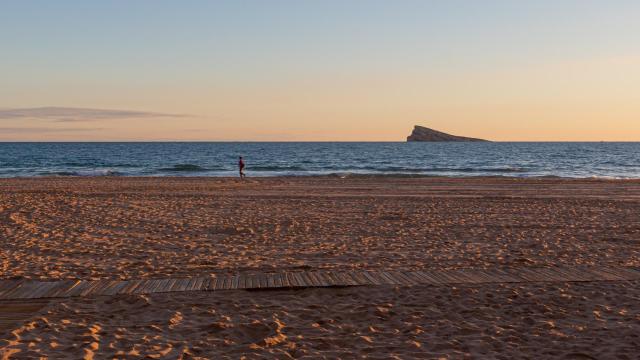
[[241, 167]]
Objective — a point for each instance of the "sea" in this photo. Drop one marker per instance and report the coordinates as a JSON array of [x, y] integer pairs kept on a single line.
[[216, 159]]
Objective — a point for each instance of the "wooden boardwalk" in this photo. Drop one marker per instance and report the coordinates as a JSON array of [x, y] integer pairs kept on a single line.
[[33, 289]]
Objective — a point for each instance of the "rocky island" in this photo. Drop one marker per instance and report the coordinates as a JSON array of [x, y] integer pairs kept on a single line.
[[421, 133]]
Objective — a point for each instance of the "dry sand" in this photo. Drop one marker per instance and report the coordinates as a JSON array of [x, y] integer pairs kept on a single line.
[[94, 228], [536, 321], [89, 228]]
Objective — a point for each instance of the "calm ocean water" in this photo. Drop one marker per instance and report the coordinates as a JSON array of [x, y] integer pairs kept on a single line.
[[578, 160]]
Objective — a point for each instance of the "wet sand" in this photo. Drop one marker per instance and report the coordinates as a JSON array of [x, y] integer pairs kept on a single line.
[[94, 228]]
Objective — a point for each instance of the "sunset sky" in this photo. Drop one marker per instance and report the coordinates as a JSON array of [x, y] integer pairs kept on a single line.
[[319, 70]]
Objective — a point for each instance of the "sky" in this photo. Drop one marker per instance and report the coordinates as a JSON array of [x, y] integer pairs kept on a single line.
[[330, 70]]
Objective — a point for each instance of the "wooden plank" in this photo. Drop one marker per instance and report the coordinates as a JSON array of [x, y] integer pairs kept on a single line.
[[162, 286], [503, 276], [414, 278], [513, 274], [605, 275], [145, 287], [550, 274], [270, 281], [543, 276], [154, 286], [324, 280], [16, 290], [61, 287], [291, 279], [355, 278], [387, 277], [171, 285], [214, 283], [4, 285], [527, 275], [626, 273], [333, 280], [44, 289], [249, 281], [489, 277], [459, 278], [182, 284], [473, 277], [335, 276], [428, 278], [454, 277], [129, 287], [373, 279], [136, 284], [565, 273], [78, 289], [285, 280], [228, 282], [95, 288], [200, 283], [423, 280], [449, 277], [114, 287], [444, 277], [190, 284], [263, 281], [235, 281], [8, 287], [256, 281], [313, 278], [223, 282], [345, 279], [360, 279], [277, 280], [306, 281], [194, 284], [90, 285], [400, 276], [242, 279], [27, 291], [100, 287], [380, 278], [300, 282], [252, 281], [614, 272]]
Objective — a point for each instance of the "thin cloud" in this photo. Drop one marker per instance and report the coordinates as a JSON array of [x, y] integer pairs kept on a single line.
[[68, 114]]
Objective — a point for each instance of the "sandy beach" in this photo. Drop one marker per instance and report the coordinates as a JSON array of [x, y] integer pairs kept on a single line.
[[137, 228]]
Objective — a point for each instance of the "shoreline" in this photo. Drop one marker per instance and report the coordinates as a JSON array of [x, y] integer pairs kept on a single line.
[[332, 176]]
